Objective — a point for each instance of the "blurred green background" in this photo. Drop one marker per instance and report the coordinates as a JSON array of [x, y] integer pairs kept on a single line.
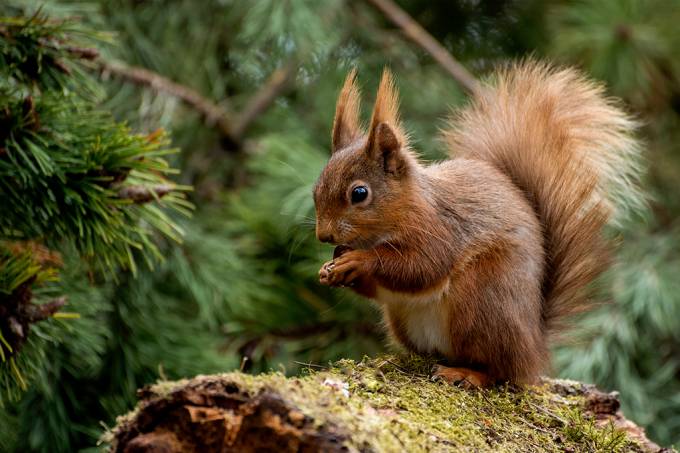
[[241, 290]]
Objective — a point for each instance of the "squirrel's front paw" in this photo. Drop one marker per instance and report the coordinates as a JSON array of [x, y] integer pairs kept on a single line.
[[325, 272], [345, 269]]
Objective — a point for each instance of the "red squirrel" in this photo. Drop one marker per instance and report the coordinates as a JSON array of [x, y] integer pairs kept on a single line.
[[478, 259]]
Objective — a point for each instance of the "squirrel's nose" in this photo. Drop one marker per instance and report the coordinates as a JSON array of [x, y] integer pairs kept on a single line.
[[324, 236]]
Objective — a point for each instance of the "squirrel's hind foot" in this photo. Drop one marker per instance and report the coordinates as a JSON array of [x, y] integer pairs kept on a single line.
[[461, 377]]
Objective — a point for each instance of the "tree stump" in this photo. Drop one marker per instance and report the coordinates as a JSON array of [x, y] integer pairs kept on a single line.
[[386, 404]]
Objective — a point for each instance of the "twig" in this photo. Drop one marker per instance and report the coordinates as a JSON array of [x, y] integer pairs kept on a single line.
[[212, 114], [397, 367], [401, 369], [39, 312], [263, 99], [427, 42], [549, 413], [143, 194], [311, 365], [537, 428]]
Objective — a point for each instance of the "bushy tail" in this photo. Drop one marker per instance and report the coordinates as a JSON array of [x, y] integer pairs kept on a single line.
[[572, 152]]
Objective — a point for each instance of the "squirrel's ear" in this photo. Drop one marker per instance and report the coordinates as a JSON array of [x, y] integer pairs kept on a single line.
[[387, 148], [346, 127], [386, 137]]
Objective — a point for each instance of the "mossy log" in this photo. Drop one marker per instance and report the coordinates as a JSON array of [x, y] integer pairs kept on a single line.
[[387, 404]]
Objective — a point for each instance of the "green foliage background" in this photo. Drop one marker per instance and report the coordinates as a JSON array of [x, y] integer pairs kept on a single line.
[[243, 281]]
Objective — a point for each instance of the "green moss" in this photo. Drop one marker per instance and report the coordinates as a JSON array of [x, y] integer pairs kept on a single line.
[[585, 432], [390, 404]]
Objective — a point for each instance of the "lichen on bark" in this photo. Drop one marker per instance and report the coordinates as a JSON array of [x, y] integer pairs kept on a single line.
[[385, 404]]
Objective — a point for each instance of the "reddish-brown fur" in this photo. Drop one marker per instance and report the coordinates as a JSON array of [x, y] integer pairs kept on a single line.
[[477, 258]]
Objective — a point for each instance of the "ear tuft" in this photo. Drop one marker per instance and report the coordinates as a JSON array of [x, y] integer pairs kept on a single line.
[[346, 125], [386, 138], [386, 110]]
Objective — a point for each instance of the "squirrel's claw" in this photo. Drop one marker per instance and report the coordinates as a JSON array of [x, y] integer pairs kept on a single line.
[[325, 273], [344, 270]]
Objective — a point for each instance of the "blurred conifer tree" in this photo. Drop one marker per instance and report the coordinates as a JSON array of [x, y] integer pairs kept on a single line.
[[243, 282]]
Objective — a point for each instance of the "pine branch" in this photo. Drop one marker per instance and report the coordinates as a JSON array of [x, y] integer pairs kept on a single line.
[[84, 53], [213, 114], [265, 97], [18, 311], [428, 43], [231, 128]]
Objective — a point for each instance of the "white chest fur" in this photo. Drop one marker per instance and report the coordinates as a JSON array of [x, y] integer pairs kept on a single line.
[[423, 316]]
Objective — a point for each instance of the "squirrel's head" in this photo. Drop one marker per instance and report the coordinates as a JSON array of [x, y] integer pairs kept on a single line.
[[369, 177]]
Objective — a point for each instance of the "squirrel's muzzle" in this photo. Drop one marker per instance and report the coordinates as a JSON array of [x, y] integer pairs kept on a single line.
[[324, 236]]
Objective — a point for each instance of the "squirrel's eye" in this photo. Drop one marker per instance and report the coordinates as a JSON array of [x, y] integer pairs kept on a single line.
[[359, 194]]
